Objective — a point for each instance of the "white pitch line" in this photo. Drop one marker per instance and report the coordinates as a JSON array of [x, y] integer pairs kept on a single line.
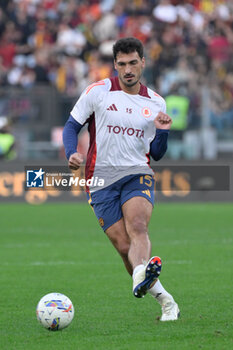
[[39, 263], [196, 241], [178, 262], [26, 245], [51, 263], [81, 263]]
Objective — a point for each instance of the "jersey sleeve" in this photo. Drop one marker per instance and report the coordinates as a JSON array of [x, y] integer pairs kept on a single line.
[[85, 105], [83, 108], [163, 106], [159, 100]]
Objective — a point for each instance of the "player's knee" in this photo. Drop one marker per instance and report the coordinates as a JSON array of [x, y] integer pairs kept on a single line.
[[121, 245], [137, 227], [123, 249]]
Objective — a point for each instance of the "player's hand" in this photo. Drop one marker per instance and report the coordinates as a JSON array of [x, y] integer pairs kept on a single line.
[[75, 161], [163, 121]]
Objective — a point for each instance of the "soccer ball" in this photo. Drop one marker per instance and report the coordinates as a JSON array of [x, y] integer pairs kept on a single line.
[[55, 311]]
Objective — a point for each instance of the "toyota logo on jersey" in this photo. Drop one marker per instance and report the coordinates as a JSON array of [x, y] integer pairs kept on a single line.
[[125, 131]]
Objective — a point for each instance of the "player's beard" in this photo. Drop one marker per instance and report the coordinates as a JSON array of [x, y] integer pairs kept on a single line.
[[130, 83]]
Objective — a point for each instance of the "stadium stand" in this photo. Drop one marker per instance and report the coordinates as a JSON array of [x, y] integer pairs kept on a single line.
[[66, 45]]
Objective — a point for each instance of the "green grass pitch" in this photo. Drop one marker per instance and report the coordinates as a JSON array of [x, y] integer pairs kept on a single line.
[[61, 248]]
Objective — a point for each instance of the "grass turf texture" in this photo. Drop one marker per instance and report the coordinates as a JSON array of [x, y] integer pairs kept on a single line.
[[60, 248]]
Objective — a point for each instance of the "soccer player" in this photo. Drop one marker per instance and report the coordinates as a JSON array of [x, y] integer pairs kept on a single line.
[[127, 123]]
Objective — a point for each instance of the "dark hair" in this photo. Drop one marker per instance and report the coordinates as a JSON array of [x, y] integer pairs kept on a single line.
[[128, 45]]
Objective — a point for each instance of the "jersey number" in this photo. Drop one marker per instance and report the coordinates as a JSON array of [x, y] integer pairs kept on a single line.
[[146, 179]]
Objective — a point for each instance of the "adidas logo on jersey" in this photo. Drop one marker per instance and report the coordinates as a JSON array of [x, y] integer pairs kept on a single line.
[[147, 192], [112, 108]]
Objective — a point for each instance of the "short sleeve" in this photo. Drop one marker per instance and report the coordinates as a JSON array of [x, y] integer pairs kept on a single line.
[[83, 107], [163, 106]]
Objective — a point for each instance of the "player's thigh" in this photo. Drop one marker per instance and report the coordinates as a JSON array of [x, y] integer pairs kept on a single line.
[[107, 213], [106, 205], [137, 199], [137, 213], [118, 236]]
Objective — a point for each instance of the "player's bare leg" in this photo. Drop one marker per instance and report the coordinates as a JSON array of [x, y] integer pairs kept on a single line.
[[137, 212], [127, 244], [120, 239]]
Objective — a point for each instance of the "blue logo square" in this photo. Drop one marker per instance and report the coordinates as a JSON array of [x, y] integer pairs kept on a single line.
[[35, 178]]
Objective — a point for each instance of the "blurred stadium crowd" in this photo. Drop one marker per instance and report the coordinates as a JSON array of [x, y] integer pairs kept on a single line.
[[68, 44]]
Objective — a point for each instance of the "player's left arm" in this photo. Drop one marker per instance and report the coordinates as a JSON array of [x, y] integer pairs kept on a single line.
[[158, 146]]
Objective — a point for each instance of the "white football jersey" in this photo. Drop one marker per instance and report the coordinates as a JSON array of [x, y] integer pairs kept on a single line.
[[121, 128]]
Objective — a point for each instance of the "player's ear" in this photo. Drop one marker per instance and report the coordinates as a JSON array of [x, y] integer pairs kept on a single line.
[[143, 62], [115, 65]]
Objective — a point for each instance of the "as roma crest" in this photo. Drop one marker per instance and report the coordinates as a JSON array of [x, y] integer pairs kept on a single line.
[[146, 112]]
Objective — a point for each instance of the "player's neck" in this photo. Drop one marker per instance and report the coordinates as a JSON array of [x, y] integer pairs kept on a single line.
[[132, 90]]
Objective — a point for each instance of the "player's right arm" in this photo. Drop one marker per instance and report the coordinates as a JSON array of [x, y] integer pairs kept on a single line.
[[81, 112], [70, 141], [78, 117]]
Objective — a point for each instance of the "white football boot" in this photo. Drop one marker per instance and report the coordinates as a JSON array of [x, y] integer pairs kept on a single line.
[[170, 310]]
